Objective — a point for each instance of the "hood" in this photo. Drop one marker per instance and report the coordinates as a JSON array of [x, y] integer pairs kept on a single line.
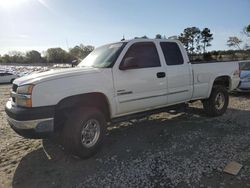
[[54, 74], [245, 73]]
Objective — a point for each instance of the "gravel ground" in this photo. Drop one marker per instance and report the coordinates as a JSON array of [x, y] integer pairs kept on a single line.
[[178, 148]]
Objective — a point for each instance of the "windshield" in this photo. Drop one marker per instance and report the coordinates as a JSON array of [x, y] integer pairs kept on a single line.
[[245, 66], [104, 56]]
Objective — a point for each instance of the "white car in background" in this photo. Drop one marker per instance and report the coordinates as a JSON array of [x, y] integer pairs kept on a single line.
[[7, 77]]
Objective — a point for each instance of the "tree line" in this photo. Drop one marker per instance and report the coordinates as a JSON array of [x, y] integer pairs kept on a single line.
[[195, 40], [52, 55]]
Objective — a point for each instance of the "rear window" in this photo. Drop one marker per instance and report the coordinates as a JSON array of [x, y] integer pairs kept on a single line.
[[172, 53]]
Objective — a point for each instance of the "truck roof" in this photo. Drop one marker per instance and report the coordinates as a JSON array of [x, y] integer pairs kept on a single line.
[[143, 39]]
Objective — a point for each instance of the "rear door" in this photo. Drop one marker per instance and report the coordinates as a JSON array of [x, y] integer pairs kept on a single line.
[[179, 73], [143, 87]]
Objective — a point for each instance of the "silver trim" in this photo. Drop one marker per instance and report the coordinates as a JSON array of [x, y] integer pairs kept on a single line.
[[125, 93], [39, 125], [130, 100], [186, 90], [20, 96]]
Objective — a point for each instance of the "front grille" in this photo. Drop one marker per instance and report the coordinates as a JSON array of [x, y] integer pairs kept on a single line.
[[14, 89]]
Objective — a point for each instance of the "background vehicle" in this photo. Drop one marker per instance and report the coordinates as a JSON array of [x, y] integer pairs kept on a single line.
[[114, 82], [7, 77], [244, 76]]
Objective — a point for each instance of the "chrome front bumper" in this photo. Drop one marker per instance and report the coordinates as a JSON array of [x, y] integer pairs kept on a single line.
[[31, 122], [38, 125]]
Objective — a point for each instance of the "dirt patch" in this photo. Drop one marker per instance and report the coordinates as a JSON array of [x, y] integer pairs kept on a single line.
[[179, 148]]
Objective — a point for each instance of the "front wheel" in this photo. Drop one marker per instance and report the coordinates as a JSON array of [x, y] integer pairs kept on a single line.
[[12, 80], [217, 103], [84, 131]]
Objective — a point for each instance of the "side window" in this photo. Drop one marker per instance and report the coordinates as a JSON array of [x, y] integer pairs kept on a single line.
[[144, 54], [172, 53], [8, 74]]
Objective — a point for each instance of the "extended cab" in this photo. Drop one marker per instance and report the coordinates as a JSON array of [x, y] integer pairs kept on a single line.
[[114, 81]]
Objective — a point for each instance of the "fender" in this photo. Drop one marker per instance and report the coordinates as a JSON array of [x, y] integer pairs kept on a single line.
[[216, 77]]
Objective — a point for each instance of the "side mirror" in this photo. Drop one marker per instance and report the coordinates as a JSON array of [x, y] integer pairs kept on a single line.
[[129, 63]]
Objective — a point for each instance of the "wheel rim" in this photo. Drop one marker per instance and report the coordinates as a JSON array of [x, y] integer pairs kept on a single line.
[[219, 101], [90, 133]]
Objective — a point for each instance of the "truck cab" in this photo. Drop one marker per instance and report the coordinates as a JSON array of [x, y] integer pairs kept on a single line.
[[114, 81]]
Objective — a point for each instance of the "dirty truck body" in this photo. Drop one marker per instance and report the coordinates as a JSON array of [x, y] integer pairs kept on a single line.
[[115, 81]]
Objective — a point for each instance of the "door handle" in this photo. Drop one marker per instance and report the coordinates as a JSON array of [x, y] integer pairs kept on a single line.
[[161, 74]]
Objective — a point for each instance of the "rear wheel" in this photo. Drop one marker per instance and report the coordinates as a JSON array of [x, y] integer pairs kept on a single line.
[[84, 132], [217, 103]]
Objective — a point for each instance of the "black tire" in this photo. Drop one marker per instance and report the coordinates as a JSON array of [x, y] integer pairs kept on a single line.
[[211, 104], [72, 131], [12, 81]]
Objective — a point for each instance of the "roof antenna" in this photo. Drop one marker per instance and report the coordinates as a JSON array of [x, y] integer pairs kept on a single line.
[[123, 38]]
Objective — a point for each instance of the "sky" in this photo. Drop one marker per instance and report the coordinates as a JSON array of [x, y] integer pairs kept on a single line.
[[42, 24]]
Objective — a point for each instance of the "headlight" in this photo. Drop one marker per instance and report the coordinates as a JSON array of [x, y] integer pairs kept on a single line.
[[24, 96], [26, 89]]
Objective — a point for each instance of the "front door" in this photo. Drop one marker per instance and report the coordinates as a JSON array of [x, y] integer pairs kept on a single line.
[[140, 80]]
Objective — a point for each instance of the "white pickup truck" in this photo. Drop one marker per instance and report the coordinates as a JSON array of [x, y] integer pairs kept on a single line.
[[114, 81]]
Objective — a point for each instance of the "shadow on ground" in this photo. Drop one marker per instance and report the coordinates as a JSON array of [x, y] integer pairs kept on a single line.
[[50, 166], [245, 95]]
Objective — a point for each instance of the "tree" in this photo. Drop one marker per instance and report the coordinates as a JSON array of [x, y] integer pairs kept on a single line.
[[195, 39], [185, 40], [246, 30], [190, 39], [206, 38], [234, 42], [80, 52], [15, 57], [33, 56], [215, 54], [57, 55], [76, 53], [86, 50]]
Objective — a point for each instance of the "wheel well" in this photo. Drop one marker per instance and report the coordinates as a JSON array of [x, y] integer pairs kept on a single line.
[[64, 107], [222, 81]]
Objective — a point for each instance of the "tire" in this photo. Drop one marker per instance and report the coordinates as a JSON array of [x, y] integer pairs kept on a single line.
[[217, 103], [77, 130]]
